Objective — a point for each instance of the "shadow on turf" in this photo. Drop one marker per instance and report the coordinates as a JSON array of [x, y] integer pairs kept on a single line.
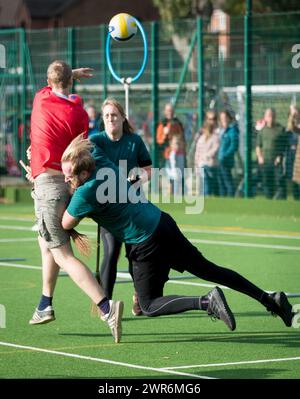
[[245, 373], [280, 339]]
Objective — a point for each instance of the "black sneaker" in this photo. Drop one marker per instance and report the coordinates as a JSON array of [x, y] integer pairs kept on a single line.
[[218, 308], [280, 306]]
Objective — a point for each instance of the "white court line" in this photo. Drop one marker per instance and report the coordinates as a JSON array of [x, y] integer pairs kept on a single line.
[[16, 240], [182, 228], [244, 244], [22, 228], [97, 359], [119, 274], [10, 227], [19, 266], [286, 359], [240, 233], [128, 277], [199, 241]]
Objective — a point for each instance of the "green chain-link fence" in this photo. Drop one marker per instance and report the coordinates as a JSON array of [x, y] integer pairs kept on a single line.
[[194, 67]]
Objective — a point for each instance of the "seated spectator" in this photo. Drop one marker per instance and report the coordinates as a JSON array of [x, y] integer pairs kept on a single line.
[[229, 143]]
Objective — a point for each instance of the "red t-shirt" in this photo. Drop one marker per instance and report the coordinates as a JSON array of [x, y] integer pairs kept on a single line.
[[55, 122]]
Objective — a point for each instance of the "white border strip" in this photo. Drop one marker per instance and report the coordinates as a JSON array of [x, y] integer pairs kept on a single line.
[[14, 240], [97, 359], [240, 233], [287, 359], [292, 236], [244, 244], [127, 276]]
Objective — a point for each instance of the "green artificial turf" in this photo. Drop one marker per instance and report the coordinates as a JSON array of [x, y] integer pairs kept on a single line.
[[260, 348]]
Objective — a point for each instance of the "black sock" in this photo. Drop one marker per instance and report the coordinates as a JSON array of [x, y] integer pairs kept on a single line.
[[44, 302], [203, 302], [104, 305]]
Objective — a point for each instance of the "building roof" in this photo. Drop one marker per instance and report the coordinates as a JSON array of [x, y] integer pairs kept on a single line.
[[49, 8], [9, 11]]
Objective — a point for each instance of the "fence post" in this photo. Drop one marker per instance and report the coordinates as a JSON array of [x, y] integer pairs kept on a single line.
[[200, 64], [248, 98], [71, 47], [104, 67], [22, 49], [154, 93]]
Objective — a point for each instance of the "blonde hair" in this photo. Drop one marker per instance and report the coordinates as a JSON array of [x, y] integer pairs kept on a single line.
[[207, 130], [59, 73], [127, 128], [79, 154]]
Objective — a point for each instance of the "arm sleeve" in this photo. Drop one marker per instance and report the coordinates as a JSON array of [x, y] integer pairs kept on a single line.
[[234, 142], [79, 207]]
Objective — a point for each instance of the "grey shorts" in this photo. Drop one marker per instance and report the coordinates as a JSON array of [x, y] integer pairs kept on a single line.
[[51, 197]]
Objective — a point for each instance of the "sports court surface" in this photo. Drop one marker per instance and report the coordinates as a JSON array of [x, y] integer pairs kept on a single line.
[[258, 238]]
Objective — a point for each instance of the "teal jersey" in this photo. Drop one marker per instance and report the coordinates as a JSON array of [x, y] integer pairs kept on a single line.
[[104, 198], [130, 147]]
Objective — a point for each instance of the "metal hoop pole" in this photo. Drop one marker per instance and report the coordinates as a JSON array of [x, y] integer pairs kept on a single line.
[[126, 84]]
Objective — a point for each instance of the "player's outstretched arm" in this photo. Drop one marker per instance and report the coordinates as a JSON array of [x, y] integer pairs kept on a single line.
[[68, 221], [82, 73]]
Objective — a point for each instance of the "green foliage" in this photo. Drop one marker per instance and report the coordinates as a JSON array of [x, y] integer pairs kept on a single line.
[[170, 9]]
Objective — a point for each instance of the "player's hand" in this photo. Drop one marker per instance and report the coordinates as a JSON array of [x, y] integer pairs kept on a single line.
[[28, 153], [29, 177], [28, 171], [82, 73]]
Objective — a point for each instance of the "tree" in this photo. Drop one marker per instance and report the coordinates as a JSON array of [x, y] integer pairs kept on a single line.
[[170, 10]]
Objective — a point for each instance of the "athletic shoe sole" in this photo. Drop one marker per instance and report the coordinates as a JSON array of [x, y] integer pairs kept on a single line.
[[228, 317], [45, 320]]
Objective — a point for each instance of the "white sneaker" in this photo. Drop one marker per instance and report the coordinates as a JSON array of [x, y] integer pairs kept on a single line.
[[43, 316], [114, 319]]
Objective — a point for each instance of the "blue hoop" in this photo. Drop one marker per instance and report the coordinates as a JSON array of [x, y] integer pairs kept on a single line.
[[137, 76]]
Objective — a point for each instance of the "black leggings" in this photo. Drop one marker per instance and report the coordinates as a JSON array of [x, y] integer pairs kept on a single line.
[[111, 252], [168, 248]]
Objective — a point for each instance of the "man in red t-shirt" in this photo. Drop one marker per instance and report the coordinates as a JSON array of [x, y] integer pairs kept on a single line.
[[55, 121]]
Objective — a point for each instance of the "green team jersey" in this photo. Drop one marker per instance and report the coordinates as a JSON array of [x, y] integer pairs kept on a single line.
[[104, 198], [130, 147]]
